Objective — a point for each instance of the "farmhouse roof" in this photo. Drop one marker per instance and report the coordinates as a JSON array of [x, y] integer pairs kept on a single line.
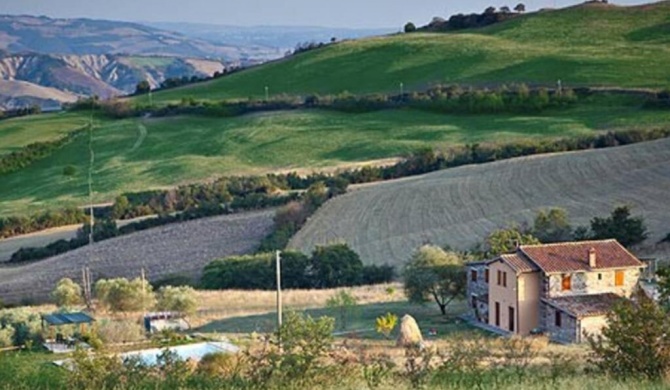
[[580, 306], [519, 263], [58, 319], [574, 256]]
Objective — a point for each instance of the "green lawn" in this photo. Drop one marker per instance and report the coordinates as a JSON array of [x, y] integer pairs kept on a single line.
[[588, 45], [360, 321], [18, 132], [133, 154]]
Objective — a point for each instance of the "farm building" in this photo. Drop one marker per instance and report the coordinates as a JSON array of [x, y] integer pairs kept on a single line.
[[564, 290]]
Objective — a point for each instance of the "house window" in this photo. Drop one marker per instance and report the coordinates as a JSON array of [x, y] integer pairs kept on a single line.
[[486, 275], [474, 302], [499, 278], [618, 278], [511, 319], [600, 276], [497, 313], [473, 275], [566, 283], [504, 281], [557, 318]]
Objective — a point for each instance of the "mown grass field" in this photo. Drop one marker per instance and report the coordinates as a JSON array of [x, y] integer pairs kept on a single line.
[[459, 207], [583, 45], [134, 154], [18, 132]]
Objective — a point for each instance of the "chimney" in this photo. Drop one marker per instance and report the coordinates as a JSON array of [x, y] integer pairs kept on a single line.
[[592, 258]]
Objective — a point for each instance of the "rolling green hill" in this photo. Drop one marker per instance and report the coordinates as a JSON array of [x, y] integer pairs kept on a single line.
[[138, 154], [585, 45]]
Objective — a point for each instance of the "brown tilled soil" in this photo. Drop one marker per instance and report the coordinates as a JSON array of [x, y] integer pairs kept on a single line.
[[183, 248]]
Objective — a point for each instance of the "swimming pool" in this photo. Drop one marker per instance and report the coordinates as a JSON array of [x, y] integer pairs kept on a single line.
[[185, 352]]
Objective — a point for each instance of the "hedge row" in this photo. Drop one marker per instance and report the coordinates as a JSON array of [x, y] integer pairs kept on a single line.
[[327, 267]]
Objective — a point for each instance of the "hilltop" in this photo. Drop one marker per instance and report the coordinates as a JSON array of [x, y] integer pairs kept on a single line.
[[591, 45]]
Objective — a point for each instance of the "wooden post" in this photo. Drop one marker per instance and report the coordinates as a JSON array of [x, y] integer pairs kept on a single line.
[[279, 302]]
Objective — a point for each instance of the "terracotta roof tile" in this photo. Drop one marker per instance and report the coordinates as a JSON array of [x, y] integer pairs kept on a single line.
[[585, 305], [574, 256], [519, 263]]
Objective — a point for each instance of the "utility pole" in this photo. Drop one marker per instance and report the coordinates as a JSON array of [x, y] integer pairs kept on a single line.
[[86, 285], [144, 292], [279, 303]]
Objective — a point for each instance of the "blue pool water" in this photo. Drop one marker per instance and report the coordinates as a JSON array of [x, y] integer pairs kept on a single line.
[[185, 352]]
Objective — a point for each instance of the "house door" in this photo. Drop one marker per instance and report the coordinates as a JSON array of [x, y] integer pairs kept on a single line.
[[511, 319], [498, 314]]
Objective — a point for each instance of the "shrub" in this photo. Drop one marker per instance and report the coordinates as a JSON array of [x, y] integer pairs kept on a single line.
[[552, 226], [336, 266], [635, 342], [386, 323], [344, 305], [113, 332], [69, 170]]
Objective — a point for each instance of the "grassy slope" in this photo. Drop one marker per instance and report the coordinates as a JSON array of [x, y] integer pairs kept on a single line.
[[594, 45], [188, 149], [460, 207], [18, 132]]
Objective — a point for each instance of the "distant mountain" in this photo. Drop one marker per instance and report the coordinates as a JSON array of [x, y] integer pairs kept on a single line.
[[48, 80], [49, 61], [278, 37], [19, 34]]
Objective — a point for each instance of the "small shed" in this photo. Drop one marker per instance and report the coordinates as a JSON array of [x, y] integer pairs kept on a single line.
[[55, 320]]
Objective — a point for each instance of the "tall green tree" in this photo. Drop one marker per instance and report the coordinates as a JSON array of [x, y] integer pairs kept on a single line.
[[629, 231], [336, 266], [505, 240], [433, 274], [177, 299], [552, 226], [123, 295], [142, 87]]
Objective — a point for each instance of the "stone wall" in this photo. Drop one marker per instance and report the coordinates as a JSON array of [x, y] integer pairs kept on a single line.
[[566, 333], [478, 289], [584, 283]]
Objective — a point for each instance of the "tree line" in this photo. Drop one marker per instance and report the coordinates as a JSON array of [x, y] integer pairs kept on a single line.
[[328, 267], [490, 16]]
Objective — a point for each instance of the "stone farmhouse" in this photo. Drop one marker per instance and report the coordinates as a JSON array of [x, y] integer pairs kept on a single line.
[[563, 290]]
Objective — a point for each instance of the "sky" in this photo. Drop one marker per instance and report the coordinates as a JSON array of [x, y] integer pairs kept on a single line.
[[326, 13]]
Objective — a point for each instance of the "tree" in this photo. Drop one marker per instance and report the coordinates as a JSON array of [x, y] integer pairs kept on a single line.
[[490, 10], [520, 8], [177, 299], [635, 342], [435, 274], [505, 240], [664, 286], [505, 9], [410, 27], [142, 87], [123, 295], [552, 226], [336, 266], [629, 231], [344, 304], [67, 293]]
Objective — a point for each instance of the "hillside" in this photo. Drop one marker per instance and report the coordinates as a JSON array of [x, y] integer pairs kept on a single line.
[[459, 207], [584, 45], [140, 154], [183, 248], [49, 80]]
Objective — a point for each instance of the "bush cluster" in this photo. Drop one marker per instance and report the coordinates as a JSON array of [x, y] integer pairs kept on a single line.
[[328, 267], [14, 226]]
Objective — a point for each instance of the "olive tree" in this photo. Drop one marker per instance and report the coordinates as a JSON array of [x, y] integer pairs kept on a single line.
[[123, 295], [435, 274], [177, 299], [67, 293]]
